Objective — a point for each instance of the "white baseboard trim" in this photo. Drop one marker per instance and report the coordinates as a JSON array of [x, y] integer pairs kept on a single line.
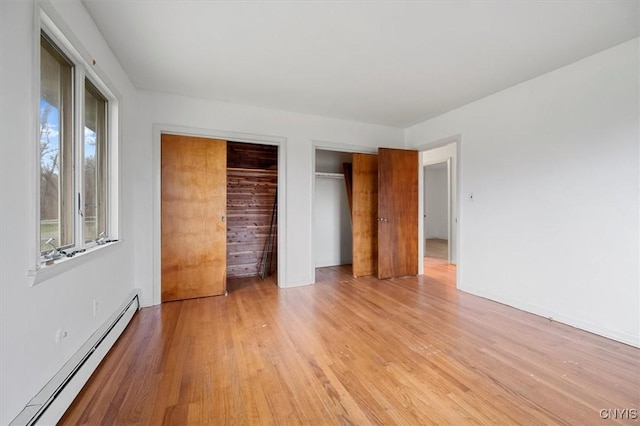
[[50, 404], [580, 323]]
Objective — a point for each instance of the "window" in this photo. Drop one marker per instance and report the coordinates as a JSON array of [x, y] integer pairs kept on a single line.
[[56, 143], [95, 163], [74, 141]]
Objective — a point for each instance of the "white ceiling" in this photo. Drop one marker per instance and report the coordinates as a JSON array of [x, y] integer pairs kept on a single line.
[[387, 62]]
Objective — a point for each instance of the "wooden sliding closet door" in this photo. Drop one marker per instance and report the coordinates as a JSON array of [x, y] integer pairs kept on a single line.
[[364, 214], [194, 202], [397, 213]]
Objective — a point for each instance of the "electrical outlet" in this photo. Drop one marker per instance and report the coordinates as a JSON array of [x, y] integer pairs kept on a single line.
[[95, 307], [61, 334]]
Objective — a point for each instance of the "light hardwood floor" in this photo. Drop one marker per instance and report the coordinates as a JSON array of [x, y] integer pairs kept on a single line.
[[356, 351], [436, 248]]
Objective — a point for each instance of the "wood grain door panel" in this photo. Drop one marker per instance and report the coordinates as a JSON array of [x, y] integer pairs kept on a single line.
[[364, 214], [193, 203], [397, 213]]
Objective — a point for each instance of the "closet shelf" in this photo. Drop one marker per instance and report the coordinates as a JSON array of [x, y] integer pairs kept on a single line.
[[327, 175]]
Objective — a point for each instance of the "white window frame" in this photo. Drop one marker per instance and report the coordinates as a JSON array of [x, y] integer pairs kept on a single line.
[[85, 67]]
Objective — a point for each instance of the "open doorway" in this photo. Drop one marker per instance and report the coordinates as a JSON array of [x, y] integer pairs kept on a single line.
[[436, 211], [439, 212]]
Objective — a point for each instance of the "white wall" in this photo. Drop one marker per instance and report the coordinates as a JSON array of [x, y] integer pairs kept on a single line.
[[332, 235], [332, 161], [30, 316], [436, 198], [553, 166], [298, 132]]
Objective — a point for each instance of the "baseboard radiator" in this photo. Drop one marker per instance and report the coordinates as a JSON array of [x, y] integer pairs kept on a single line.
[[50, 404]]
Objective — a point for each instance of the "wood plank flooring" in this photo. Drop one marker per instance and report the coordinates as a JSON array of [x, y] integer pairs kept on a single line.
[[436, 248], [356, 351]]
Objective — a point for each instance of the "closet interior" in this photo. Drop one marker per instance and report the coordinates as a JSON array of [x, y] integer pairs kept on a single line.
[[252, 219]]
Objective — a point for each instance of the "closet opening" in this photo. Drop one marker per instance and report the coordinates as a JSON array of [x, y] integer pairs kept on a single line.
[[332, 215], [252, 214]]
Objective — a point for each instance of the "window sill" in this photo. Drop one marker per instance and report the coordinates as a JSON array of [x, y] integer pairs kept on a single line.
[[45, 272]]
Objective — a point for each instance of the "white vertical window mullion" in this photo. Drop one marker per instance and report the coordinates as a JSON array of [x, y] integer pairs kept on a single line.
[[112, 169], [36, 173], [78, 156]]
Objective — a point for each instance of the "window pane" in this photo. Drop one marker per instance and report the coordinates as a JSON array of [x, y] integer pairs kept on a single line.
[[95, 163], [56, 154]]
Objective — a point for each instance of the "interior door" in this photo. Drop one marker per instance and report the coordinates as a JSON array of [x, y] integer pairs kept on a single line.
[[193, 203], [364, 214], [397, 212]]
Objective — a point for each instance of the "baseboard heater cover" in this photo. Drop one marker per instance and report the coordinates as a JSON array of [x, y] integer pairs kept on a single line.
[[50, 404]]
